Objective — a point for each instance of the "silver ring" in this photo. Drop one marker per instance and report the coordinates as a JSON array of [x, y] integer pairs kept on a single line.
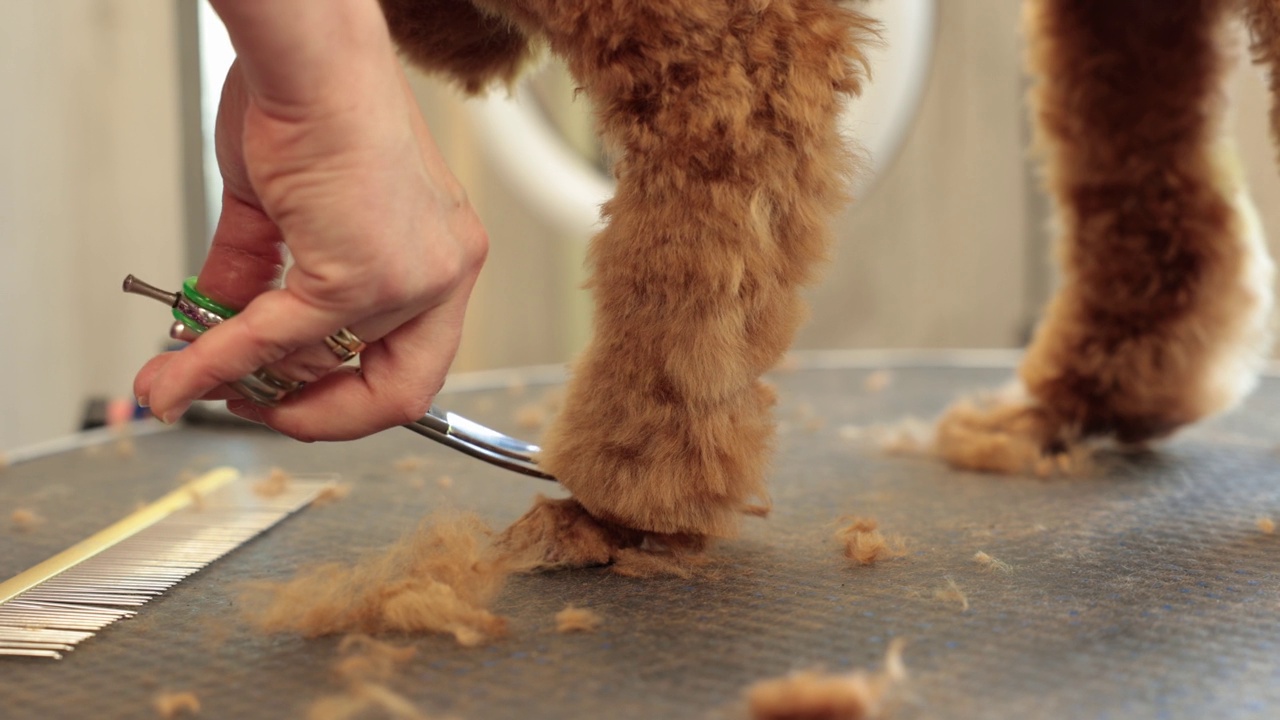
[[264, 388], [345, 344]]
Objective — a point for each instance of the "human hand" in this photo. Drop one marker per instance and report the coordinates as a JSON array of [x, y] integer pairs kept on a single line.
[[323, 151]]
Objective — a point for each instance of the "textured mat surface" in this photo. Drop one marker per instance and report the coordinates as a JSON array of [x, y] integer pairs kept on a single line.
[[1144, 590]]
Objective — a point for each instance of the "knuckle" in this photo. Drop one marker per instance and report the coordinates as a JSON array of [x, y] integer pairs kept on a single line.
[[307, 368], [478, 248], [265, 347], [459, 259]]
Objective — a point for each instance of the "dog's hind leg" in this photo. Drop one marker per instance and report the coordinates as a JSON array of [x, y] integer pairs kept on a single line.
[[1162, 314]]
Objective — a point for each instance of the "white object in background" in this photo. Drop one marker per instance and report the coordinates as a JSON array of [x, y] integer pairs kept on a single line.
[[555, 182]]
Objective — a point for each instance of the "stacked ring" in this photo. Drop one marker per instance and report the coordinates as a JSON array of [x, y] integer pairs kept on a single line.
[[345, 344], [265, 388]]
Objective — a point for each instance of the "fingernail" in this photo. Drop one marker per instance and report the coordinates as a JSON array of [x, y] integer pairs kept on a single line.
[[175, 414], [144, 401]]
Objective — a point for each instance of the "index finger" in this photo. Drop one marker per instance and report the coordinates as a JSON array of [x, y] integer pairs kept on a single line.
[[246, 258]]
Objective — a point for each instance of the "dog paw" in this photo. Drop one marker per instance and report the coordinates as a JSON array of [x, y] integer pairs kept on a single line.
[[1007, 433]]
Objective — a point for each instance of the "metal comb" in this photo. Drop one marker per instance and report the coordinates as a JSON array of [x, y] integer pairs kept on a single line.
[[49, 609]]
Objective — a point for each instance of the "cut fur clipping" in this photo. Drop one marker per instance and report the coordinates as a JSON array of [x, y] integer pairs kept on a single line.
[[364, 666], [360, 699], [864, 544], [25, 519], [820, 696], [573, 619], [274, 484], [991, 563], [953, 593], [444, 576], [169, 705], [332, 494], [364, 658], [441, 578], [410, 463]]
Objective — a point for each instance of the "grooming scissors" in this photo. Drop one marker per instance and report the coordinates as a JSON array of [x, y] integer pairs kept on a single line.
[[195, 312]]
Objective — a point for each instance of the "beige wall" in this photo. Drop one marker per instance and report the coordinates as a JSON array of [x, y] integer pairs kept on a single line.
[[935, 255], [89, 191]]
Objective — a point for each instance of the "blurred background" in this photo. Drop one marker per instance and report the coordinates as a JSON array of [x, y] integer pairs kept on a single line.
[[105, 171]]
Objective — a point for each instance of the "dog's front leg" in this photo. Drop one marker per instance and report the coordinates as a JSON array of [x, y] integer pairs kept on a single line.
[[723, 117]]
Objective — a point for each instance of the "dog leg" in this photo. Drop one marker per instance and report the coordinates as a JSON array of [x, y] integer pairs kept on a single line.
[[1162, 314], [473, 48], [722, 115]]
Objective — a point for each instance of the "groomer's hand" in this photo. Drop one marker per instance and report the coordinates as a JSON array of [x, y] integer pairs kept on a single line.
[[323, 151]]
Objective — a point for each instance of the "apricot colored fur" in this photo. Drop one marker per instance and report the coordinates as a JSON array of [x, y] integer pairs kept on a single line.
[[724, 115], [474, 48], [1162, 316]]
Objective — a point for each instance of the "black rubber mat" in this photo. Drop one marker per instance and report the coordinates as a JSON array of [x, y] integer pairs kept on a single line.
[[1145, 590]]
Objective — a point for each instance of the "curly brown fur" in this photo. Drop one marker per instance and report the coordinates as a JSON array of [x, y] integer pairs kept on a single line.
[[724, 113], [1161, 318], [473, 48]]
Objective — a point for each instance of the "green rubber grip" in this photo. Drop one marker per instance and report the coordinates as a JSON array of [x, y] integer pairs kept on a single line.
[[189, 290]]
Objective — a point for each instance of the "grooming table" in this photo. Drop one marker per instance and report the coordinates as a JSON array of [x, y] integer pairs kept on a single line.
[[1145, 590]]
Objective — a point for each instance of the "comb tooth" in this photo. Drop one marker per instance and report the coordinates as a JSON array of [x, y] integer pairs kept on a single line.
[[82, 609], [51, 617], [117, 586], [121, 583], [102, 600], [54, 622], [25, 652], [46, 616], [107, 575], [45, 647], [38, 636]]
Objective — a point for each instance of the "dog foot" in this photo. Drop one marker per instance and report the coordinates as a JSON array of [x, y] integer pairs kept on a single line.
[[1007, 432]]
